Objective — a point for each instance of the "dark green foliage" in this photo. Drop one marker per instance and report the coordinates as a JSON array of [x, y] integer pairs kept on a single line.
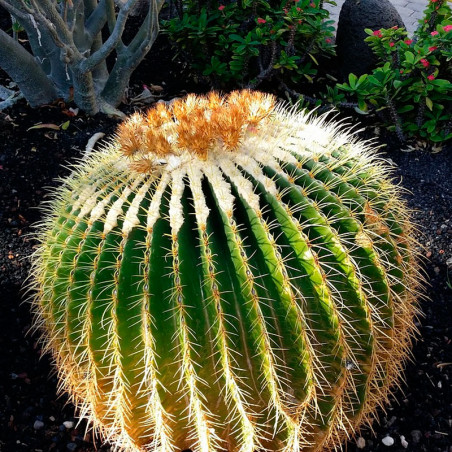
[[242, 43]]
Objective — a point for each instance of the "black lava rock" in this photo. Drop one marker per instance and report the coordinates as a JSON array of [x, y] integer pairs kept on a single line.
[[354, 55]]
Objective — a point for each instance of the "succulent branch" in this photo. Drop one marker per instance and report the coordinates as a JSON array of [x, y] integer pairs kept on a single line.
[[227, 275], [28, 74], [420, 113], [395, 117]]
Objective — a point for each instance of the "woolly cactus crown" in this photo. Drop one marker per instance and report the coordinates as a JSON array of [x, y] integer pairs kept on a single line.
[[227, 274]]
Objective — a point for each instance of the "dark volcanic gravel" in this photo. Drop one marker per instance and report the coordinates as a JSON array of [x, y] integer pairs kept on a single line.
[[33, 418]]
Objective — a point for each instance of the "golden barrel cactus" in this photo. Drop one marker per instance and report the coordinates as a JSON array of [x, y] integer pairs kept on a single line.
[[227, 275]]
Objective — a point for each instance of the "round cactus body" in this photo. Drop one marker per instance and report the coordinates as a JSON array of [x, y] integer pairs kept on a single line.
[[227, 275]]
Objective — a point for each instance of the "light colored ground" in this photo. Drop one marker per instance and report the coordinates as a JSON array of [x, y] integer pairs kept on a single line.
[[409, 10]]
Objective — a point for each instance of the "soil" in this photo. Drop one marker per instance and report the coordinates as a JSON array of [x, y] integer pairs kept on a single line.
[[33, 417]]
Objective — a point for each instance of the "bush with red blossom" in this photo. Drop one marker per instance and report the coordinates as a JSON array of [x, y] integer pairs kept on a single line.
[[234, 44]]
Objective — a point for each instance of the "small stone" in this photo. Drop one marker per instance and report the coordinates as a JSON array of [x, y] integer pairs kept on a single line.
[[51, 418], [38, 425], [391, 421], [361, 443], [429, 254], [388, 441], [440, 385], [416, 435], [449, 262], [68, 424], [403, 441], [71, 446]]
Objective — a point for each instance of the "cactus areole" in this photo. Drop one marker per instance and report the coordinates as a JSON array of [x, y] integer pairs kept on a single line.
[[227, 275]]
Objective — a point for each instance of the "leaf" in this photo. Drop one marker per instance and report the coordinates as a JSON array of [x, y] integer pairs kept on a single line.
[[362, 106], [405, 108], [234, 37], [429, 103], [44, 126], [361, 112], [409, 56], [362, 79], [65, 125], [352, 80], [313, 59], [441, 83]]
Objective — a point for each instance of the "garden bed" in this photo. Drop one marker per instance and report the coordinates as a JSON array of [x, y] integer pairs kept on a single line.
[[34, 418]]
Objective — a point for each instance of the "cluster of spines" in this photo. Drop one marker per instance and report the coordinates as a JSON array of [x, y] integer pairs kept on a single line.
[[194, 124], [344, 225]]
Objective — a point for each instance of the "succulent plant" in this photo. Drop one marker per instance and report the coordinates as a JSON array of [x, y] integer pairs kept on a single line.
[[227, 274]]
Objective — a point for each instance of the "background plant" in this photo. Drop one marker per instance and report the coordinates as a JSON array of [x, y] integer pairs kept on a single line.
[[227, 275], [411, 88], [68, 43], [244, 42]]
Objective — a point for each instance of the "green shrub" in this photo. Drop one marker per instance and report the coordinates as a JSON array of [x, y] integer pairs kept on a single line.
[[411, 87], [242, 43], [227, 274]]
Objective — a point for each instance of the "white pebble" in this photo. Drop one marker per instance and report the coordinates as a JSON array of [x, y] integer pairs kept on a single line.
[[361, 443], [52, 418], [388, 441], [38, 425], [403, 441], [68, 424]]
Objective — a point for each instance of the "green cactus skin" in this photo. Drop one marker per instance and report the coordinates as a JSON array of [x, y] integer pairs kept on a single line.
[[260, 297]]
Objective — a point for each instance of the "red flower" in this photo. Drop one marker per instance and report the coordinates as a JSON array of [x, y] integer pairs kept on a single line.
[[408, 41], [261, 21], [378, 33], [391, 44], [448, 28], [434, 1], [299, 9], [328, 40], [424, 62], [432, 48], [300, 21], [434, 33], [286, 11], [401, 71], [312, 5], [431, 77], [221, 7]]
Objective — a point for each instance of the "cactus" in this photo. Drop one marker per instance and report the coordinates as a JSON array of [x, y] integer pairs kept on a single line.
[[227, 274]]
